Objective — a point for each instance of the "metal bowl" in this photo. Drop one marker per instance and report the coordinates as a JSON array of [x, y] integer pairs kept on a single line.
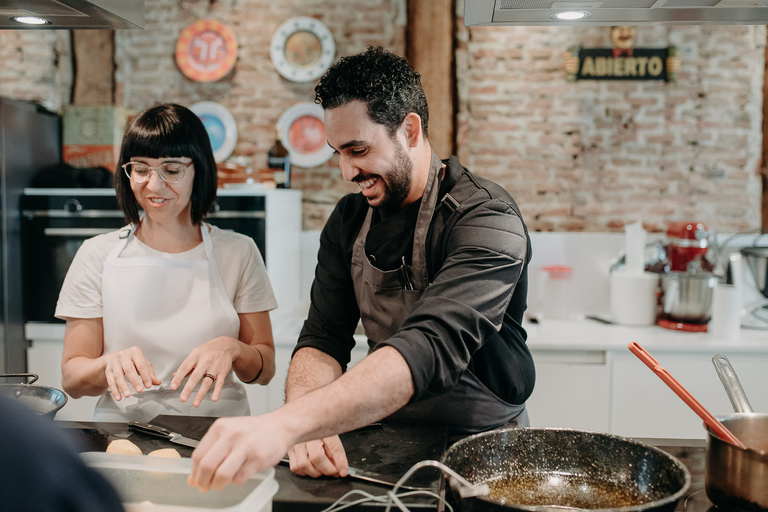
[[757, 259], [687, 297], [44, 400]]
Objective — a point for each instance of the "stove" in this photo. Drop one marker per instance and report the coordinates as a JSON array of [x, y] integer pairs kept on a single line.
[[690, 452]]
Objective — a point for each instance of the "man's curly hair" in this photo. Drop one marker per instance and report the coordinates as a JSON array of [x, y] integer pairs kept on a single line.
[[385, 81]]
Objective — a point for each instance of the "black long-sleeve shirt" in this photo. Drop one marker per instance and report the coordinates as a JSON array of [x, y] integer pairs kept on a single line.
[[470, 317]]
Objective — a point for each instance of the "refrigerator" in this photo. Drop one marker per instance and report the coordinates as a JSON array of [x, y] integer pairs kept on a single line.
[[30, 139]]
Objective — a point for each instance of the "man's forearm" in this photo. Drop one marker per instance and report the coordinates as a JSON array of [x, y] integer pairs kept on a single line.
[[373, 389], [310, 369]]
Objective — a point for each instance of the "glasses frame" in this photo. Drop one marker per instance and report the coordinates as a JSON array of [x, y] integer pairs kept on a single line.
[[159, 172]]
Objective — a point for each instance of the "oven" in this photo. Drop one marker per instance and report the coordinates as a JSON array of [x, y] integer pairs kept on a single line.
[[55, 222]]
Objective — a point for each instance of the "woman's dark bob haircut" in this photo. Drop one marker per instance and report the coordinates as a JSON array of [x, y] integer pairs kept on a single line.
[[168, 131]]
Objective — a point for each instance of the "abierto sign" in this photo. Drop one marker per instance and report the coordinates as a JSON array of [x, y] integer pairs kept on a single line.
[[610, 64]]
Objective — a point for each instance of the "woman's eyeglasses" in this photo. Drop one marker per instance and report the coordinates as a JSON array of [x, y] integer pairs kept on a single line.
[[169, 172]]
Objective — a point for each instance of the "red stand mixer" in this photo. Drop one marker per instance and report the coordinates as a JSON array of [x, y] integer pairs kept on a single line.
[[687, 281]]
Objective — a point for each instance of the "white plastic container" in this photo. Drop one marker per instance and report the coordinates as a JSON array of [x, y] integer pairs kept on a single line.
[[154, 484], [556, 292]]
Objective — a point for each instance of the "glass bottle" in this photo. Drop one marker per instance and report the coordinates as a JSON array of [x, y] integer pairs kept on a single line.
[[279, 160]]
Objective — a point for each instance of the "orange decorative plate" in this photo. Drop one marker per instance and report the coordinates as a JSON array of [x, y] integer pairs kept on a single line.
[[206, 50], [303, 132]]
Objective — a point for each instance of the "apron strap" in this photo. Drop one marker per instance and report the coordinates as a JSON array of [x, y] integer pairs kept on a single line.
[[232, 315]]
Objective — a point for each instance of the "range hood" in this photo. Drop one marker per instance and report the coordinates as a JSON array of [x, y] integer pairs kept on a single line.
[[617, 12], [74, 14]]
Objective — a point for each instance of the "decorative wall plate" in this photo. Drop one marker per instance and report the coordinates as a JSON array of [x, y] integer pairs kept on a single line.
[[303, 132], [206, 50], [220, 125], [302, 49]]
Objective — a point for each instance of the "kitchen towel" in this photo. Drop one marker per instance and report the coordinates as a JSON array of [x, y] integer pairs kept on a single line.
[[634, 297], [726, 312]]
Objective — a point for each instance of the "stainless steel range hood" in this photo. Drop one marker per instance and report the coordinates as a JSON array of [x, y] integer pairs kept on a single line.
[[617, 12], [74, 14]]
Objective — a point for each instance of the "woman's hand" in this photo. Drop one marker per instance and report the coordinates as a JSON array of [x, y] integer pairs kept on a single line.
[[209, 364], [126, 366]]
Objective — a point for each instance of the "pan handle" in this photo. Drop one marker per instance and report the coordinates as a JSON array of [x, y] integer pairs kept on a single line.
[[731, 383], [33, 375]]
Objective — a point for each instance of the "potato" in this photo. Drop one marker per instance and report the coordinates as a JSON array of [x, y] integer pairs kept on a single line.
[[168, 453], [123, 446]]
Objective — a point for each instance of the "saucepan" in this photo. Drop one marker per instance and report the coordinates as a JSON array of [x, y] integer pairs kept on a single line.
[[540, 469], [737, 478], [42, 399]]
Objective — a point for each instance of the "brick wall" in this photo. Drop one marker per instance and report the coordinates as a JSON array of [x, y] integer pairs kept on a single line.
[[36, 65], [593, 155], [255, 93], [577, 156]]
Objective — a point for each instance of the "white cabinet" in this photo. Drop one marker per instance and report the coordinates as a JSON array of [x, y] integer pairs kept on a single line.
[[613, 391], [572, 390], [44, 359], [642, 405]]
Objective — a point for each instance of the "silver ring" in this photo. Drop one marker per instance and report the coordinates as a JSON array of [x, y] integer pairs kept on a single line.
[[213, 378]]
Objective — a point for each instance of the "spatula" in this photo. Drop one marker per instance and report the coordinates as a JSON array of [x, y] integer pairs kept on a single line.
[[717, 427]]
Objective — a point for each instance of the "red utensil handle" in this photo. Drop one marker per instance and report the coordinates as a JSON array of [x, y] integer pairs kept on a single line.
[[683, 393]]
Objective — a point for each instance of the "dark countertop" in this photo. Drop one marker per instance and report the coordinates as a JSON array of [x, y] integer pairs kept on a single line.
[[389, 450]]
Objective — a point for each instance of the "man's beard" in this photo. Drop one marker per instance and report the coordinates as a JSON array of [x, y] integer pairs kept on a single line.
[[397, 180]]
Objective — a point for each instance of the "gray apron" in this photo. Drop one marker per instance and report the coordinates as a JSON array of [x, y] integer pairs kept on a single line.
[[385, 299]]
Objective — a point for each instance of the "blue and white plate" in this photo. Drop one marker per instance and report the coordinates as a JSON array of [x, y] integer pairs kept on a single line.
[[220, 125]]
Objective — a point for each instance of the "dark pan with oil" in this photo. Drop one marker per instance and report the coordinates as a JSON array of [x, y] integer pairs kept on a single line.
[[537, 469]]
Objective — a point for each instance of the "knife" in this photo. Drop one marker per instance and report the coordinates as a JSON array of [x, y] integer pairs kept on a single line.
[[157, 431], [370, 476]]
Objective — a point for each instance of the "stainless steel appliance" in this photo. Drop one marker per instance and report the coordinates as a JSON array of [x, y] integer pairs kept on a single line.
[[756, 258], [616, 12], [55, 222], [30, 139], [687, 281]]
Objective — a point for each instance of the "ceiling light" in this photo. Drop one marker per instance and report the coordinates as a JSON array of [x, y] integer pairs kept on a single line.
[[30, 20], [570, 15]]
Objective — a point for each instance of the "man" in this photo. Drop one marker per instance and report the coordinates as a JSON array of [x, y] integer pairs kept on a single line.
[[430, 257]]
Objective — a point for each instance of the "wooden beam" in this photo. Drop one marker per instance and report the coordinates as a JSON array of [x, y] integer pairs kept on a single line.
[[94, 54], [430, 50], [764, 162]]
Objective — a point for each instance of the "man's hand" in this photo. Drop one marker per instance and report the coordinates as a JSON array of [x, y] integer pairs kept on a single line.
[[319, 457], [235, 448]]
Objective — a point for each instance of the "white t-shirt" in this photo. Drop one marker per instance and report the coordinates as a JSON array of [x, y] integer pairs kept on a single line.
[[238, 259]]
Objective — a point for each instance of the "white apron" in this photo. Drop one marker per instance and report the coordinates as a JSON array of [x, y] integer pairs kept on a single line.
[[166, 306]]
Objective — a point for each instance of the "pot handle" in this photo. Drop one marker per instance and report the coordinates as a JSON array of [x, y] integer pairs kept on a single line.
[[731, 383], [33, 375]]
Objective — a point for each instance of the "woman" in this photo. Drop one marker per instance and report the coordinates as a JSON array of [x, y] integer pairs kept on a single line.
[[163, 312]]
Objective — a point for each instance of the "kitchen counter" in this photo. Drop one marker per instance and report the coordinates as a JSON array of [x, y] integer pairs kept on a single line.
[[389, 450], [587, 334], [577, 334]]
